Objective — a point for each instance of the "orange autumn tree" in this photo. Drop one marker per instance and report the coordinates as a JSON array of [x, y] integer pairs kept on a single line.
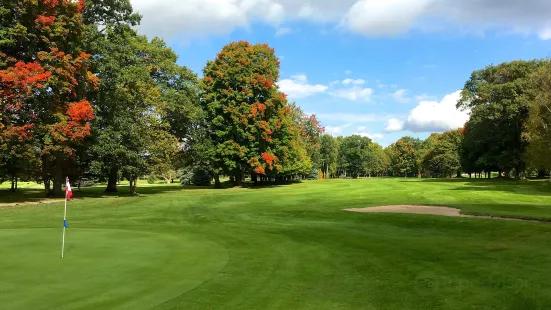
[[245, 111], [43, 81]]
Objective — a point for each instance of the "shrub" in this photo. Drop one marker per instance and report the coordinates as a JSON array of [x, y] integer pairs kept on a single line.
[[196, 176], [151, 179], [313, 175], [186, 177], [201, 177]]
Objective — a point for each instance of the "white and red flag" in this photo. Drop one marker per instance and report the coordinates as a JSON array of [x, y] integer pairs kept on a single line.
[[68, 191]]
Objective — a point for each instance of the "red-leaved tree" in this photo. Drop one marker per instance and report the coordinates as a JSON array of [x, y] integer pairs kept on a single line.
[[44, 79]]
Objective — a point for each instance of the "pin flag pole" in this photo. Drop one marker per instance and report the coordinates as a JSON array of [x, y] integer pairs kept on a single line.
[[64, 224]]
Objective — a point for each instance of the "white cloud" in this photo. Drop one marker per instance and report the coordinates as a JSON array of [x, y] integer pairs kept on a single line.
[[400, 96], [374, 136], [300, 78], [351, 117], [336, 130], [334, 83], [362, 128], [391, 17], [432, 116], [193, 18], [297, 87], [352, 81], [424, 97], [545, 34], [354, 93], [283, 31], [348, 72], [394, 125]]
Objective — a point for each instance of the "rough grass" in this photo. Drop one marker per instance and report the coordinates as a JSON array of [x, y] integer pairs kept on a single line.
[[286, 247]]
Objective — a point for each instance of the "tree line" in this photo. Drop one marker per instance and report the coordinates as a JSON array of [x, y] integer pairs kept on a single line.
[[85, 95]]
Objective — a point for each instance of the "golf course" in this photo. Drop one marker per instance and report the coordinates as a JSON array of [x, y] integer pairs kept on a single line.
[[281, 247]]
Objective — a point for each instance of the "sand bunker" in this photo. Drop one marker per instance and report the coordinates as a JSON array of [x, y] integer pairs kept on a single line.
[[445, 211], [26, 203], [410, 209]]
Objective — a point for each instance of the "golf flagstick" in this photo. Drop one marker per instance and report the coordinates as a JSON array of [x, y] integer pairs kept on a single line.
[[68, 194]]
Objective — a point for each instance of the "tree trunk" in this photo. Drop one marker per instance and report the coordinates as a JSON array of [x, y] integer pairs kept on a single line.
[[458, 174], [238, 174], [254, 178], [133, 187], [112, 182], [46, 181], [58, 179], [12, 183], [217, 184]]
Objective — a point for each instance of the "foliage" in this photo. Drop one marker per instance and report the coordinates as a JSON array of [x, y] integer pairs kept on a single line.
[[538, 125], [354, 152], [44, 79], [497, 97], [143, 107], [442, 156], [198, 176], [405, 157], [248, 119], [151, 179], [377, 162], [329, 155]]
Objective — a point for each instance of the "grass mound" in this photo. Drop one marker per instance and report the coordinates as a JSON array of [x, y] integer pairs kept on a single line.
[[102, 268]]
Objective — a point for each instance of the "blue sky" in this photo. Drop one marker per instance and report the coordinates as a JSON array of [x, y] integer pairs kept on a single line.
[[384, 69]]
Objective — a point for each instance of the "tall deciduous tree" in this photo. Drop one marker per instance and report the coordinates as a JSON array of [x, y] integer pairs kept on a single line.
[[145, 101], [245, 112], [354, 152], [497, 97], [538, 125], [41, 45], [329, 155], [405, 157], [442, 156]]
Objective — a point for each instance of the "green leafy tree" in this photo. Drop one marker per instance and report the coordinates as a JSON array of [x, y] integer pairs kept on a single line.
[[405, 157], [377, 160], [143, 108], [354, 151], [499, 107], [538, 125], [329, 155], [246, 115], [442, 156]]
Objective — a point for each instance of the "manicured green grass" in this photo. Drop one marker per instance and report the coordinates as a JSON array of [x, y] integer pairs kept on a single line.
[[286, 247]]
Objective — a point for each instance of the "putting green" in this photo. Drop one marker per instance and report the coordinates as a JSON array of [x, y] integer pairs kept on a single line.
[[102, 268]]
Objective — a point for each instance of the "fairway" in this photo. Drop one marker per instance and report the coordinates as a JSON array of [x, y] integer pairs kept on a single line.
[[285, 247]]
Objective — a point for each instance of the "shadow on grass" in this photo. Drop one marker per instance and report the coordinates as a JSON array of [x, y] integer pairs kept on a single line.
[[251, 185], [37, 195], [540, 187]]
